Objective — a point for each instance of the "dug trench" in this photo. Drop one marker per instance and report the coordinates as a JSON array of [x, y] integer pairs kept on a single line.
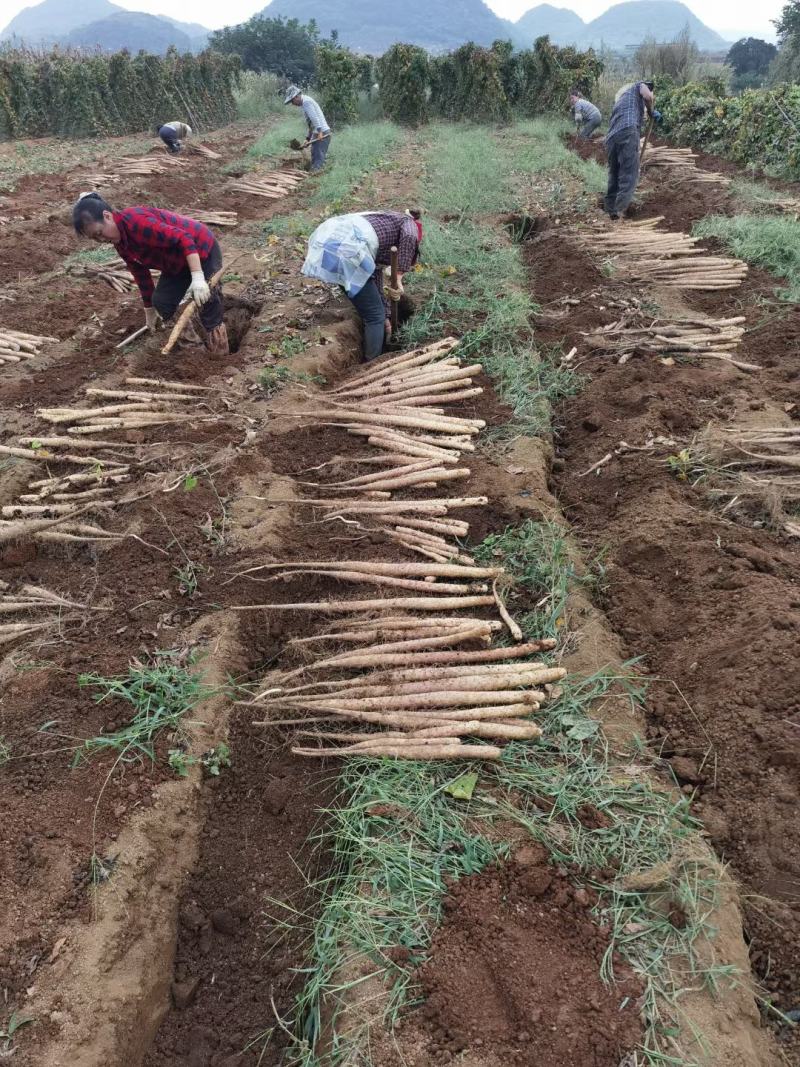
[[709, 600], [184, 913]]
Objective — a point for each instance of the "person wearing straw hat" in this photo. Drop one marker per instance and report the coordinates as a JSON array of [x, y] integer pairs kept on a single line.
[[319, 132]]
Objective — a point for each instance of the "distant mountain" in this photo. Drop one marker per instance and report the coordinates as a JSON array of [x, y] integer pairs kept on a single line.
[[89, 23], [45, 23], [560, 24], [622, 27], [375, 25], [132, 30], [196, 33], [626, 25]]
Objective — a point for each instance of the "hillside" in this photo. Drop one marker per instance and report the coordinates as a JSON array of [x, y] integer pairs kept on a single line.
[[45, 23], [91, 22], [626, 25], [375, 25], [560, 24], [132, 30]]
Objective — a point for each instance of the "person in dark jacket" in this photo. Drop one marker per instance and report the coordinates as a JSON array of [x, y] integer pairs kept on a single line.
[[622, 144], [185, 251], [354, 251]]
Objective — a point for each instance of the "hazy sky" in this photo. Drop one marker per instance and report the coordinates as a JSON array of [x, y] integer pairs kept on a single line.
[[732, 18]]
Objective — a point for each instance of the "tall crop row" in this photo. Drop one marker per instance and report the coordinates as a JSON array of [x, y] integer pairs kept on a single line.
[[69, 94]]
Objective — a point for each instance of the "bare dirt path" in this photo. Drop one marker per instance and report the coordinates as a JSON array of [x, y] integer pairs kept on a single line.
[[709, 600]]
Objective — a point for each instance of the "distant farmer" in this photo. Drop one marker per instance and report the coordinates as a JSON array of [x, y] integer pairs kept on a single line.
[[587, 116], [172, 133], [354, 251], [185, 251], [319, 132], [622, 144]]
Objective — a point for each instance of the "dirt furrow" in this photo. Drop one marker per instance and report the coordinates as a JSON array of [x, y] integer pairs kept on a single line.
[[709, 600]]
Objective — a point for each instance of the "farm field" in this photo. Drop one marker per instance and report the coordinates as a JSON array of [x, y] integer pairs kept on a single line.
[[181, 888]]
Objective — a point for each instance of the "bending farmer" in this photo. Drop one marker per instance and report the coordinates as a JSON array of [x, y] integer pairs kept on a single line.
[[587, 116], [171, 134], [185, 251], [319, 132], [354, 251], [622, 144]]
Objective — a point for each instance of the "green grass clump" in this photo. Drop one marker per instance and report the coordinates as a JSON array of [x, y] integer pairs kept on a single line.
[[769, 242], [354, 152], [274, 144], [258, 95], [161, 693], [457, 170], [539, 149]]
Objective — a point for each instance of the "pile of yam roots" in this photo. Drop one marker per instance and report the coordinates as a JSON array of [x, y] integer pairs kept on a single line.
[[416, 663], [643, 254]]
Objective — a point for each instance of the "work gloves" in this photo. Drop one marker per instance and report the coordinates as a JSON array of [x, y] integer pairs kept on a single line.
[[199, 289], [151, 318], [391, 292]]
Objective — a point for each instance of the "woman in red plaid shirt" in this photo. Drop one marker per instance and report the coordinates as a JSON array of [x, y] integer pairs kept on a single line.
[[185, 251]]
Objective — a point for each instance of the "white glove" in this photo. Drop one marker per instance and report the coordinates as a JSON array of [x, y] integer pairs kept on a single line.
[[199, 288], [151, 318]]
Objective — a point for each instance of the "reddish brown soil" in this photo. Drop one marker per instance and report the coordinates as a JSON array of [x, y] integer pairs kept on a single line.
[[712, 606], [514, 977], [234, 962]]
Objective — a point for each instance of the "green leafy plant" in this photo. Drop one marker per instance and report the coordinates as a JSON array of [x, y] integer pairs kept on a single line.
[[404, 79], [337, 80], [188, 578], [7, 1032], [216, 758], [161, 692]]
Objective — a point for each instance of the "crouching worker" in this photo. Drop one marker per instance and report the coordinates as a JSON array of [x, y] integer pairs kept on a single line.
[[587, 116], [185, 251], [172, 133], [354, 251]]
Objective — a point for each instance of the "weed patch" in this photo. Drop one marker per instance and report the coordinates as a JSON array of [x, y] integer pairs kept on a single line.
[[769, 242]]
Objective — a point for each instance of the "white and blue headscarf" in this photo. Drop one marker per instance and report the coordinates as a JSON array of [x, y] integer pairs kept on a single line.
[[342, 251]]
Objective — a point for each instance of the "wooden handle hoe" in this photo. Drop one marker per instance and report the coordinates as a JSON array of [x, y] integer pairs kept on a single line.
[[394, 279]]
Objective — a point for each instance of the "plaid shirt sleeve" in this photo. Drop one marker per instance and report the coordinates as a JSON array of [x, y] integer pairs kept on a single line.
[[407, 245]]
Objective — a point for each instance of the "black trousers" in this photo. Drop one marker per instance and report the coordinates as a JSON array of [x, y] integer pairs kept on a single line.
[[623, 169], [171, 289], [170, 139], [370, 306]]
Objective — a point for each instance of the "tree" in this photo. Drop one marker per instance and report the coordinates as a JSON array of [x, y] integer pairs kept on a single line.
[[283, 46], [675, 60], [786, 66], [751, 56], [403, 78], [337, 81]]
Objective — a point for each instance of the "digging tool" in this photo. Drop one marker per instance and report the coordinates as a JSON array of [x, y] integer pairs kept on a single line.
[[393, 281], [132, 336], [299, 146], [650, 124]]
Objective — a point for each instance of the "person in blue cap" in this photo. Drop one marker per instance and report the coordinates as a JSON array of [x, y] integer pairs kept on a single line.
[[319, 132]]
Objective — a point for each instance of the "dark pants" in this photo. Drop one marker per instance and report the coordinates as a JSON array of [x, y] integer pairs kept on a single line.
[[319, 149], [588, 128], [623, 169], [171, 289], [369, 305], [170, 139]]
